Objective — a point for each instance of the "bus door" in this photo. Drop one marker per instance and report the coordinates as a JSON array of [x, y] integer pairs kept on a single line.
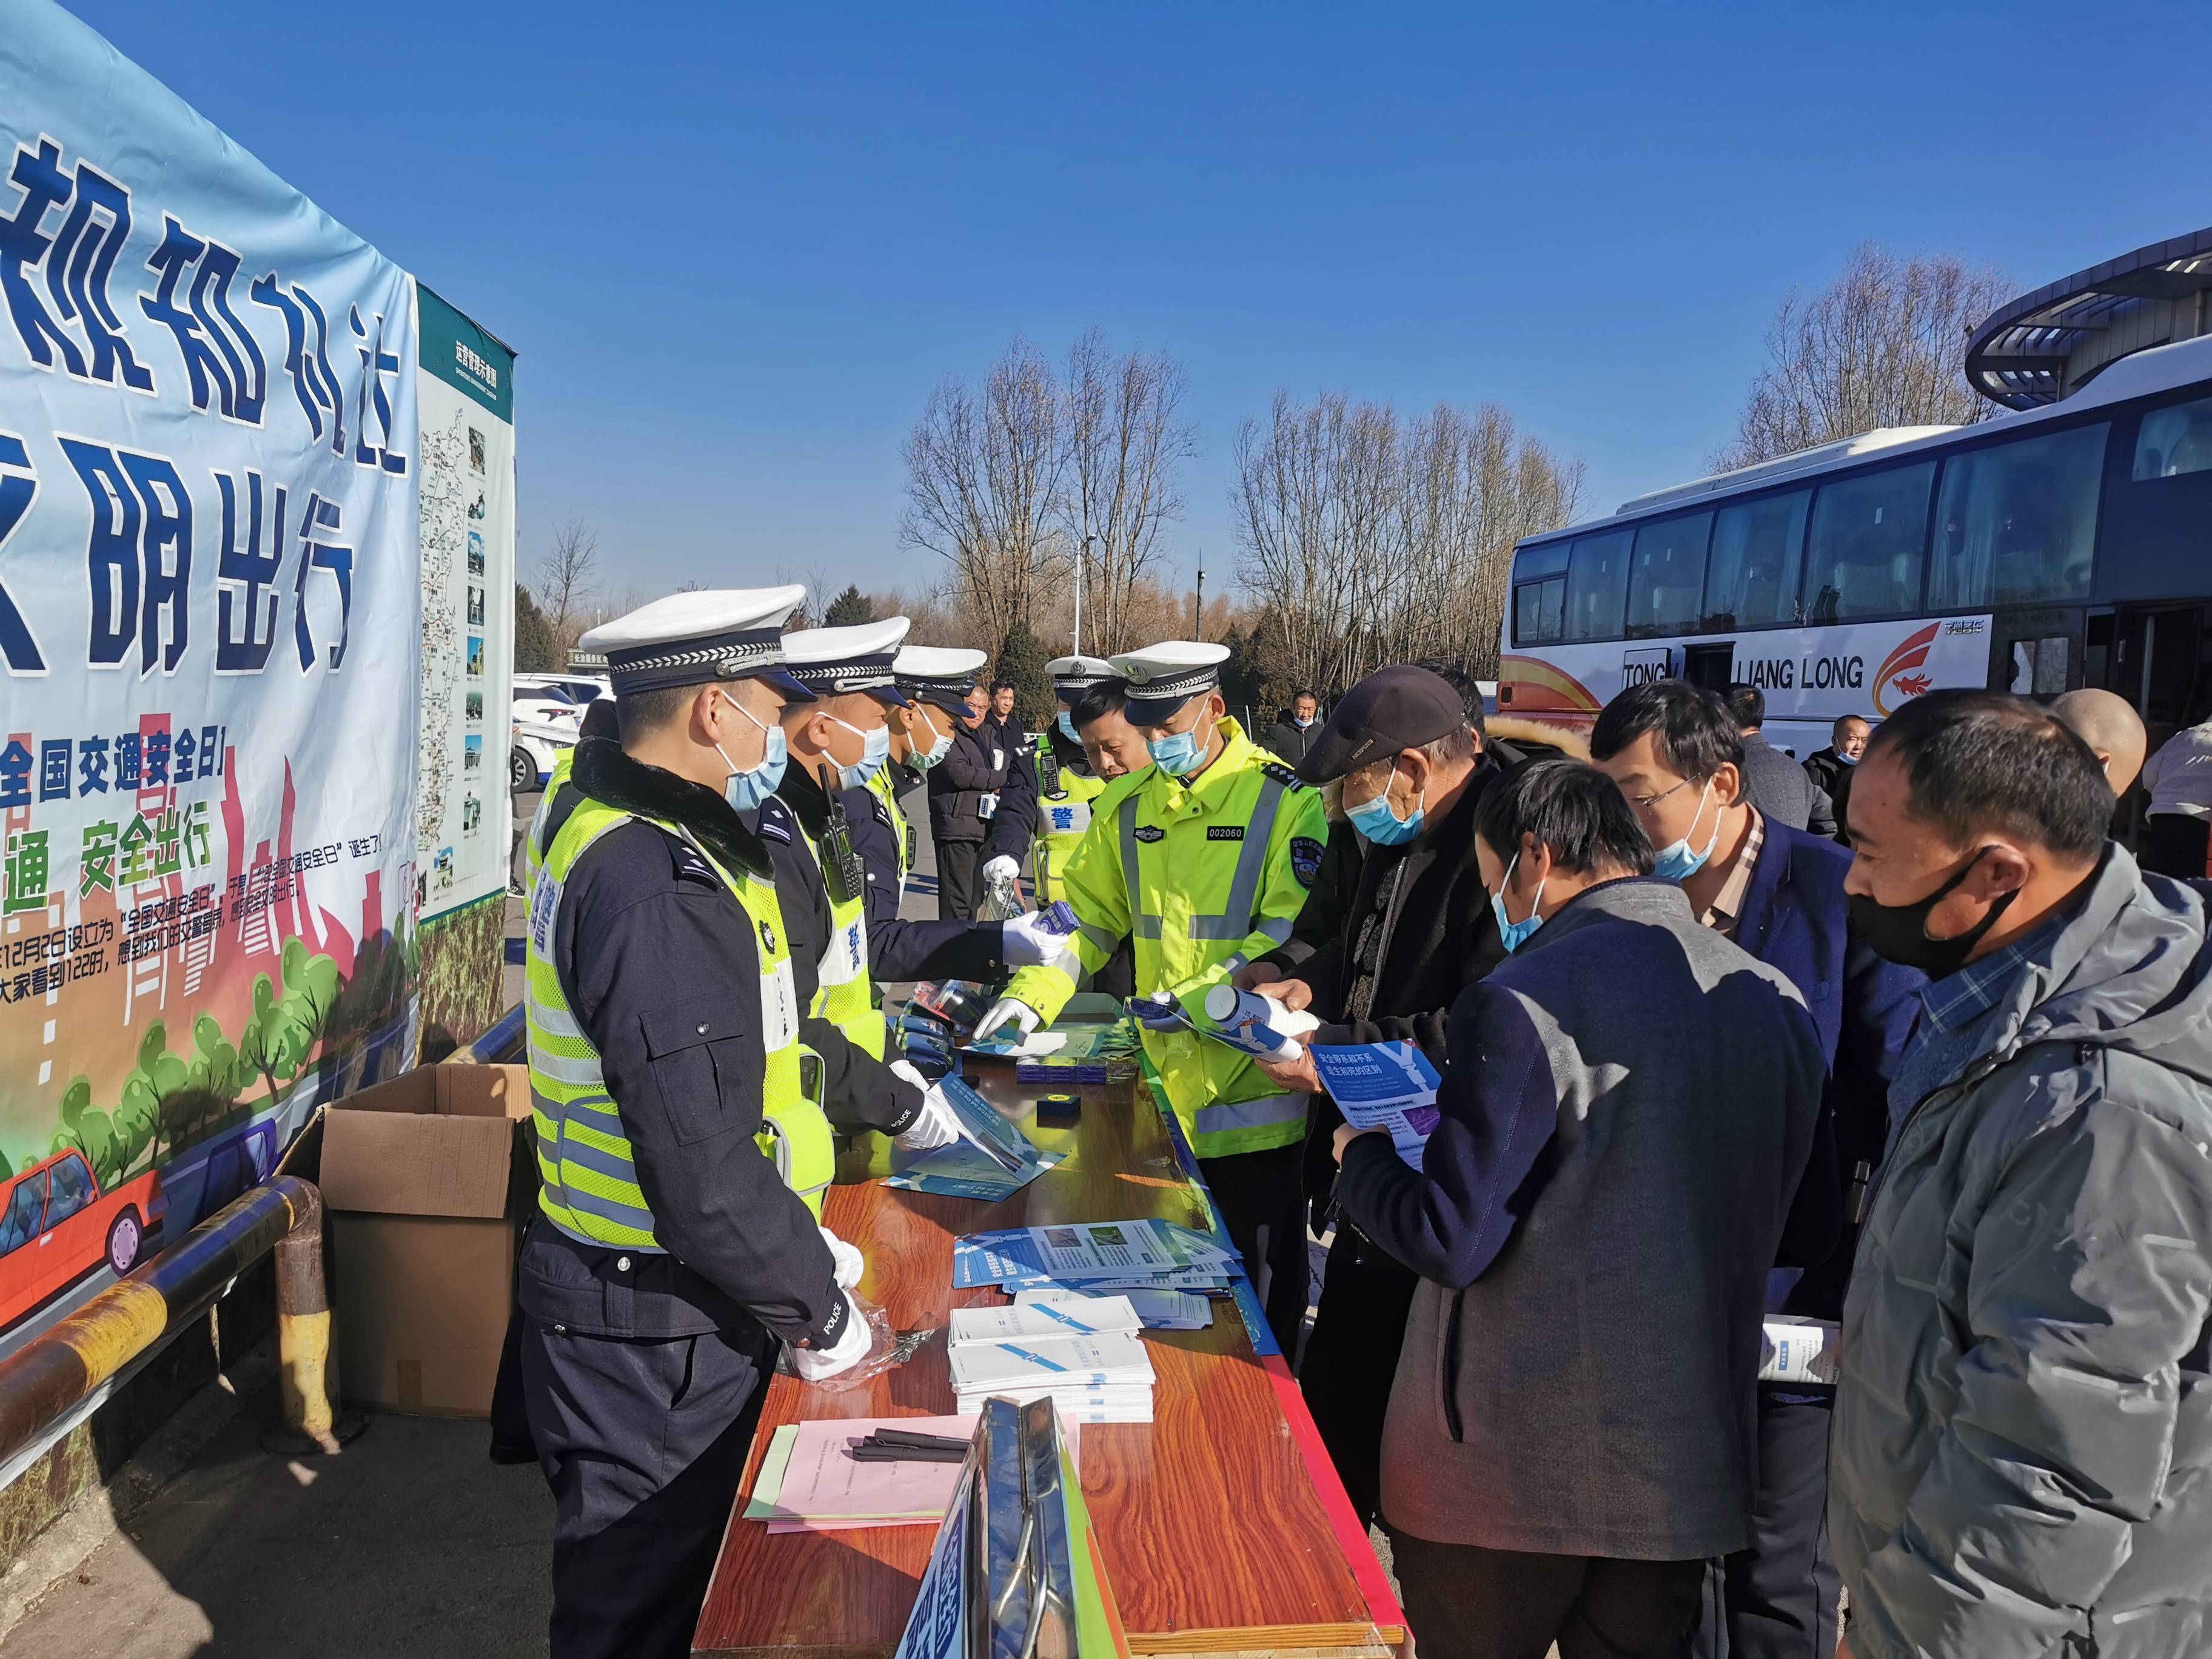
[[1710, 667], [2159, 663]]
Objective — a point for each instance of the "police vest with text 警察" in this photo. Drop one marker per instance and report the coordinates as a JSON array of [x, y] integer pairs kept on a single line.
[[844, 994], [587, 1176], [1063, 816]]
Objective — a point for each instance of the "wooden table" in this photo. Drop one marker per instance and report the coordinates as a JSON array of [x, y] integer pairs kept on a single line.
[[1223, 1526]]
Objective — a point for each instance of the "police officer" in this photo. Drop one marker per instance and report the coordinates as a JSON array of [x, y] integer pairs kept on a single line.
[[835, 742], [1045, 822], [933, 679], [680, 1167], [1204, 859]]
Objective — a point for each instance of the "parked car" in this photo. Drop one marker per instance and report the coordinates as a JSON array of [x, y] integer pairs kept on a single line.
[[534, 744], [548, 704], [57, 1226], [579, 688]]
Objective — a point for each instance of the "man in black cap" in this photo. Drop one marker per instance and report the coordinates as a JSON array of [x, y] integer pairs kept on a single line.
[[1417, 930]]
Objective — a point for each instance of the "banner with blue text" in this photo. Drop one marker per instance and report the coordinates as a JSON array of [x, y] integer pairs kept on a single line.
[[209, 596]]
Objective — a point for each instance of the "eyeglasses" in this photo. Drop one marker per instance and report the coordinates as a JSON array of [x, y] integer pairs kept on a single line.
[[1646, 803]]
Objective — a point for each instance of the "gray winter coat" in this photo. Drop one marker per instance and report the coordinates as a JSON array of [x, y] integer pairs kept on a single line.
[[2021, 1458]]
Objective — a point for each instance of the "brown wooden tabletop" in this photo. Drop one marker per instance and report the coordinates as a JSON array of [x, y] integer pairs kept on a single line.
[[1222, 1526]]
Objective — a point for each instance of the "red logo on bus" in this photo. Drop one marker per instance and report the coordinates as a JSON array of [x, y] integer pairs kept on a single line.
[[1896, 673]]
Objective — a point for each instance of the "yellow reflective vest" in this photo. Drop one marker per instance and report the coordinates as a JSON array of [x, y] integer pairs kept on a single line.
[[1203, 875], [1063, 817], [880, 785], [588, 1173]]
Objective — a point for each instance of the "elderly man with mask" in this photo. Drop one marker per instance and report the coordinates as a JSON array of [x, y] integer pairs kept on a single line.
[[1416, 931], [1676, 754]]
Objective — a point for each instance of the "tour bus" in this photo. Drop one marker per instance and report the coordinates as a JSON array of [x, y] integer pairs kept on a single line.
[[2034, 552]]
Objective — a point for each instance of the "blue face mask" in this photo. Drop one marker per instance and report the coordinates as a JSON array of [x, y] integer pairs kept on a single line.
[[1378, 820], [875, 749], [1301, 723], [1178, 753], [1067, 727], [1515, 935], [1676, 861], [746, 790], [1848, 760], [924, 759]]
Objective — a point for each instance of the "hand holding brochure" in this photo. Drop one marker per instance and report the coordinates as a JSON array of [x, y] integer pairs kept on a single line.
[[1383, 1085]]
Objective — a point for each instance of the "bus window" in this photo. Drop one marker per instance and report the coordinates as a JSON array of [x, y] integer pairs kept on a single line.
[[1757, 550], [1540, 594], [1539, 609], [2017, 522], [1667, 575], [2174, 441], [1597, 586], [1869, 540]]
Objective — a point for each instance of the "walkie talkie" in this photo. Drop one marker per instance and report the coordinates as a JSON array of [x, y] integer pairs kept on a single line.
[[1048, 768], [844, 872]]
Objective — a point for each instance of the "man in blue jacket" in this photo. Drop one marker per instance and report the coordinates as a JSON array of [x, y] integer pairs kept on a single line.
[[1677, 755]]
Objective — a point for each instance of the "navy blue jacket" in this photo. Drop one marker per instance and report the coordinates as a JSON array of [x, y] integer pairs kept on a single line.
[[1795, 920]]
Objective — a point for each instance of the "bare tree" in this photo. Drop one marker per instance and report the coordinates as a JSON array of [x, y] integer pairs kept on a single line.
[[1368, 540], [567, 581], [1124, 447], [1882, 346], [984, 479]]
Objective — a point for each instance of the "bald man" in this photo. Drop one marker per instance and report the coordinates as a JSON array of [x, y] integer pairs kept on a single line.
[[2113, 729]]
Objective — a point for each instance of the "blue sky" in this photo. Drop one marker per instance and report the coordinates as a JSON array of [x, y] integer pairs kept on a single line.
[[737, 246]]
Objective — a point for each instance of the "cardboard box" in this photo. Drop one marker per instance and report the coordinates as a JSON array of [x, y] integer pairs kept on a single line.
[[429, 1184]]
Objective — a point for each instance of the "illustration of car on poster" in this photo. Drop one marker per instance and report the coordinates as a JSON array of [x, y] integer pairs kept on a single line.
[[57, 1226]]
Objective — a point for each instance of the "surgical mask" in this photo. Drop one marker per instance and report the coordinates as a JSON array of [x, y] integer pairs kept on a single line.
[[1676, 861], [1898, 933], [1515, 935], [875, 749], [1178, 753], [1302, 724], [1378, 820], [1848, 760], [747, 790], [938, 749], [1067, 727]]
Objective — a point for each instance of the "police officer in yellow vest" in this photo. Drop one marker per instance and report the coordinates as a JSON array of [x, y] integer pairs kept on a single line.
[[809, 828], [935, 681], [1042, 826], [1203, 858], [680, 1167]]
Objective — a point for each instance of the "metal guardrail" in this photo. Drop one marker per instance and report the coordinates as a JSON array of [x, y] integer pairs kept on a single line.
[[503, 1044], [60, 1369]]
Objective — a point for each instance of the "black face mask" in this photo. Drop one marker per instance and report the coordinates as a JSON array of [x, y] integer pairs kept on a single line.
[[1898, 933]]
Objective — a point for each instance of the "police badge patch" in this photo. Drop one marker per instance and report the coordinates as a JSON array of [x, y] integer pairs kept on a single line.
[[1305, 859], [1150, 832]]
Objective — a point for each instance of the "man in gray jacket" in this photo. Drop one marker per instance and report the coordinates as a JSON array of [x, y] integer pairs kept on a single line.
[[2021, 1456]]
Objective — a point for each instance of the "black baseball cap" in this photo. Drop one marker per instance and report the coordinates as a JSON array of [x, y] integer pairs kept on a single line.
[[1401, 707]]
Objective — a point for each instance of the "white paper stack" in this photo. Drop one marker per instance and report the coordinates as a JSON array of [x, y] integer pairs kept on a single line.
[[1030, 1322], [1106, 1378], [1157, 1309]]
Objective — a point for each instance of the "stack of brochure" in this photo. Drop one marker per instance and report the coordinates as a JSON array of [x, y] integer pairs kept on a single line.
[[1157, 1310], [1102, 1378], [1094, 1257]]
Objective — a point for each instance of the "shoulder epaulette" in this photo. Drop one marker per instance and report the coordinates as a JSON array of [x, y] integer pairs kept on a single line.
[[775, 821], [1282, 775]]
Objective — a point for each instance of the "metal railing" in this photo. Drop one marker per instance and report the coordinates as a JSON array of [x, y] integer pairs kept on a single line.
[[59, 1370]]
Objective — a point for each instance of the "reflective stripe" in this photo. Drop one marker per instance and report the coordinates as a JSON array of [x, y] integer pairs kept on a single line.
[[584, 1073], [1140, 925], [1097, 938], [1234, 921], [553, 1021], [1224, 1117]]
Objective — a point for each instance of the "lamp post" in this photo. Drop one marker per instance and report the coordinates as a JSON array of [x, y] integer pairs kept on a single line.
[[1197, 602], [1082, 563]]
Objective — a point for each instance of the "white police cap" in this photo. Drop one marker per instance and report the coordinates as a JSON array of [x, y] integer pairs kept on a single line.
[[1164, 677], [939, 674], [690, 639], [1071, 675], [831, 662]]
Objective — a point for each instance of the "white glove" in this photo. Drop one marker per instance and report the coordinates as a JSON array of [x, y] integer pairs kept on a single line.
[[1028, 941], [817, 1364], [1000, 868], [850, 1262], [1007, 1010], [938, 1124]]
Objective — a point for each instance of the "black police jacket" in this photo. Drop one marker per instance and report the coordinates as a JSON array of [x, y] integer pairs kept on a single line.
[[661, 966]]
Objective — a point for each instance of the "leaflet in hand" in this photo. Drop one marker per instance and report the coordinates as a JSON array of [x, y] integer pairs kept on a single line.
[[961, 1170], [1243, 1020], [1383, 1085], [982, 1125], [1794, 1350]]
